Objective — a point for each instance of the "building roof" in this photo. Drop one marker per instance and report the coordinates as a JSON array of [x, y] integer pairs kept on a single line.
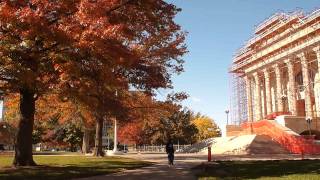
[[269, 32]]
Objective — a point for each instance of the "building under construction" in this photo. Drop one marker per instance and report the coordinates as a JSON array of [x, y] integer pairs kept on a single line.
[[275, 77]]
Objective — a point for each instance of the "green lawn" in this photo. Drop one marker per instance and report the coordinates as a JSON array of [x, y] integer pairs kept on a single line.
[[66, 167], [284, 169]]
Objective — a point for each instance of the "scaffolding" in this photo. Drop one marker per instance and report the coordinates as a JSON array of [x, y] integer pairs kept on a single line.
[[238, 100], [296, 21], [241, 56]]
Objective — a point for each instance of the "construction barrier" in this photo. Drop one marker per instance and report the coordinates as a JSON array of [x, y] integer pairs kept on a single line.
[[294, 143]]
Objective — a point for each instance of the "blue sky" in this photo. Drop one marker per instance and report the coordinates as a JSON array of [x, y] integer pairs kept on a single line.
[[216, 29]]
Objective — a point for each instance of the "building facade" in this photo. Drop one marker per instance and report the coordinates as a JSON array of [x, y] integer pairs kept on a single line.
[[280, 66]]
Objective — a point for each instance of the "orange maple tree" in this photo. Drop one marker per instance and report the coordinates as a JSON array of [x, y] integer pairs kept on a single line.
[[145, 115], [89, 49]]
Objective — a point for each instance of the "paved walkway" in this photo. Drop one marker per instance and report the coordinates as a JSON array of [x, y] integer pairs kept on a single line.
[[159, 171], [183, 165]]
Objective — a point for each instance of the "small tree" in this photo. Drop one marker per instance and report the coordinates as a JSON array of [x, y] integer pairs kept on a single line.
[[206, 128]]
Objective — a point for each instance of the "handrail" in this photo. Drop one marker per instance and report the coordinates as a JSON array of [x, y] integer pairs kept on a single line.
[[255, 38], [260, 36], [268, 21], [292, 16], [242, 52], [313, 15]]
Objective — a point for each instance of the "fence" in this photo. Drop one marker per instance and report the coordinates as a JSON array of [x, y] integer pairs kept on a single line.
[[155, 148]]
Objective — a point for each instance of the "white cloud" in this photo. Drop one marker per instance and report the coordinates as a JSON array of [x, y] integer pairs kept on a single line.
[[195, 99]]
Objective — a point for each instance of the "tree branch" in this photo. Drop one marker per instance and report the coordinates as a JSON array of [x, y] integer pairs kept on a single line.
[[119, 6]]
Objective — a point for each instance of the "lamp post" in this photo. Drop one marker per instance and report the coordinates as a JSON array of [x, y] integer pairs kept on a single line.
[[227, 112], [309, 120], [115, 139]]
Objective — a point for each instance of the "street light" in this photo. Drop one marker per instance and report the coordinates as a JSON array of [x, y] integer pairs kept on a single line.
[[227, 112], [309, 120], [115, 137]]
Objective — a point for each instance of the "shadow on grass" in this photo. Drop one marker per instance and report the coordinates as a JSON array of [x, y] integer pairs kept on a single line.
[[69, 171], [258, 169]]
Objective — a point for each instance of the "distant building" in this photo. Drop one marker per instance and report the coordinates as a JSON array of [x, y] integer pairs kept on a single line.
[[277, 75]]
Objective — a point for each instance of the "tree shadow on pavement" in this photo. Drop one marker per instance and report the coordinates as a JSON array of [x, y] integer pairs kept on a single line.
[[258, 169], [69, 171]]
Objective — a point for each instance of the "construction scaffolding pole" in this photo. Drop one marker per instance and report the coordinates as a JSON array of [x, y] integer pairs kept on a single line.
[[238, 99]]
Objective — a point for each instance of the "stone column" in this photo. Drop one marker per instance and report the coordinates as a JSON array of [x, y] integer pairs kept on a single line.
[[317, 51], [258, 105], [307, 85], [292, 98], [249, 98], [268, 91], [317, 82], [278, 88]]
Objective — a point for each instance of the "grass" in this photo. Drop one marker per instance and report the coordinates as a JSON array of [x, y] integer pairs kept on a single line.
[[282, 169], [66, 167]]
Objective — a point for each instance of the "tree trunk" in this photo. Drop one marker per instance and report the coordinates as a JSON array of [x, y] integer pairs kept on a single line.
[[85, 141], [98, 139], [23, 144]]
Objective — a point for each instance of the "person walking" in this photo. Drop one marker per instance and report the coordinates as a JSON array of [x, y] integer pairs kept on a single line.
[[170, 152]]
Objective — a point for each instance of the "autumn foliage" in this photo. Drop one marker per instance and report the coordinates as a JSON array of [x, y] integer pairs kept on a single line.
[[88, 50], [154, 122], [52, 114], [206, 126]]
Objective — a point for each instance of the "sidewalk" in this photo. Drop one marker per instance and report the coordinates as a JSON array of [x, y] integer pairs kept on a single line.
[[183, 164], [154, 172], [160, 170]]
